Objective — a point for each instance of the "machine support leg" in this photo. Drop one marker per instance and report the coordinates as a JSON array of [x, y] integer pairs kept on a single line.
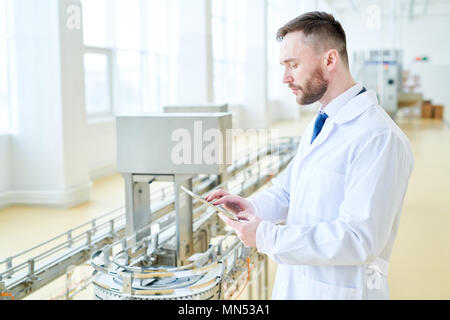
[[183, 207], [137, 206]]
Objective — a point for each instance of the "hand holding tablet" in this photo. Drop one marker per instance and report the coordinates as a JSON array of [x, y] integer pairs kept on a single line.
[[216, 208]]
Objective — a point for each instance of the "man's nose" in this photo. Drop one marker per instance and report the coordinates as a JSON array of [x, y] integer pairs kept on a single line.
[[287, 77]]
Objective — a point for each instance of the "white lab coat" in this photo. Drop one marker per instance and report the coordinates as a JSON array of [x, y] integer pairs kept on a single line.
[[340, 199]]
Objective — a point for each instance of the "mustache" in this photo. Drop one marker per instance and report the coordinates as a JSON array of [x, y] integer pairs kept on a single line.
[[295, 88]]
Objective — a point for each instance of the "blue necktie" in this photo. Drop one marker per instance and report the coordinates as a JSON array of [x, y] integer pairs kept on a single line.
[[321, 120], [318, 125], [362, 91]]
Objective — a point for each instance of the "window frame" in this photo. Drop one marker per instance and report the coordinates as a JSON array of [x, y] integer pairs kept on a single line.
[[109, 58]]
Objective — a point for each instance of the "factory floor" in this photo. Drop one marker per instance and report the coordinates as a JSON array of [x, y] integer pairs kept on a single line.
[[420, 262]]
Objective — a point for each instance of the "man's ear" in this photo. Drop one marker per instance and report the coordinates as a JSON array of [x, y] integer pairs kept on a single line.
[[331, 59]]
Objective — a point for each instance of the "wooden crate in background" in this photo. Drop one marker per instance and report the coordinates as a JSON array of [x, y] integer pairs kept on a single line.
[[438, 112], [427, 110]]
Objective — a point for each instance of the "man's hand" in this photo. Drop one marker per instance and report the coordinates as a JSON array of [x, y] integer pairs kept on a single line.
[[231, 202], [245, 228]]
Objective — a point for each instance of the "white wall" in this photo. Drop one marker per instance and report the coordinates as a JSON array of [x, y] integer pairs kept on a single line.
[[37, 145], [434, 43], [5, 169], [435, 83], [101, 148], [428, 36], [77, 182]]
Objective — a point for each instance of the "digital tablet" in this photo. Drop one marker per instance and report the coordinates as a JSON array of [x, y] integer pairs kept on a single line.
[[216, 208]]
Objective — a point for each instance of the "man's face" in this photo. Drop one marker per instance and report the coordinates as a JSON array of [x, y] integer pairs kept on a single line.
[[303, 70]]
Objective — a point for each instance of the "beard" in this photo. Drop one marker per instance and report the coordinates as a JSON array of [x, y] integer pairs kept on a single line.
[[314, 88]]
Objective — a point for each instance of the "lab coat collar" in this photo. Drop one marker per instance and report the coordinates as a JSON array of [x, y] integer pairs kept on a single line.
[[332, 108], [355, 107], [345, 113]]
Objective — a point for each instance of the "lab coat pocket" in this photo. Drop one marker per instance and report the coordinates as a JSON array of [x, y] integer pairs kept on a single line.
[[326, 193], [317, 290]]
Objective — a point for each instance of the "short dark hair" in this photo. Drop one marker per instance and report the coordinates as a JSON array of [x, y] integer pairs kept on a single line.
[[322, 26]]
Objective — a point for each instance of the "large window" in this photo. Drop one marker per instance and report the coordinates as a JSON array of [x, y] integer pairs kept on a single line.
[[131, 55], [228, 30], [5, 65], [98, 81], [274, 71]]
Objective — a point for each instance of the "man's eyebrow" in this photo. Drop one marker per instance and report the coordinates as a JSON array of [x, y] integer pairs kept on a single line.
[[287, 60]]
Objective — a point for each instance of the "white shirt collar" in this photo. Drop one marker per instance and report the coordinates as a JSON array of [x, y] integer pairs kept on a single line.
[[335, 105]]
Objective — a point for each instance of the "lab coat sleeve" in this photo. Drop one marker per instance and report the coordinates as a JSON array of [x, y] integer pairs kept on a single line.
[[375, 187], [273, 204]]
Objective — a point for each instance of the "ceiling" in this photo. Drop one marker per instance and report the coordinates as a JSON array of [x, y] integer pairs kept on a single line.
[[410, 9]]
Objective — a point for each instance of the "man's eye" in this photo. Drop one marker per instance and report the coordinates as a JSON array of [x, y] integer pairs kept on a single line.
[[294, 66]]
